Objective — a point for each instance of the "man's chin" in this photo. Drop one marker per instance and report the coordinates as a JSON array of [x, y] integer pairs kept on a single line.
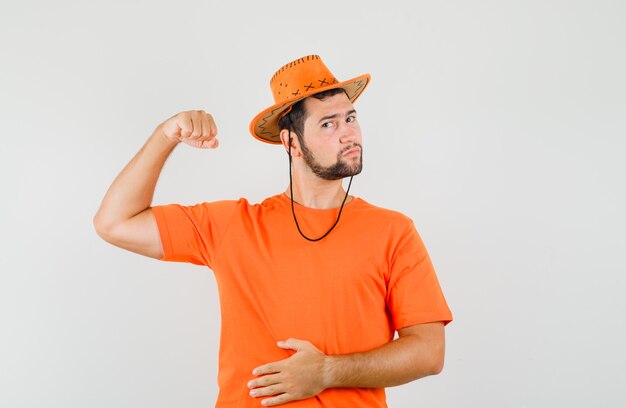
[[356, 167], [349, 173], [340, 171], [356, 170]]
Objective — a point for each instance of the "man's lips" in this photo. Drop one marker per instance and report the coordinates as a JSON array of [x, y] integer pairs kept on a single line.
[[353, 151]]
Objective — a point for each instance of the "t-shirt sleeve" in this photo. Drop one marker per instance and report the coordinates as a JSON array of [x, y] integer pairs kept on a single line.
[[414, 295], [193, 233]]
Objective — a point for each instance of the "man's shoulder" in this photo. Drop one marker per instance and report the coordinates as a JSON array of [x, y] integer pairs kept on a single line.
[[243, 204], [380, 214], [374, 209], [233, 202]]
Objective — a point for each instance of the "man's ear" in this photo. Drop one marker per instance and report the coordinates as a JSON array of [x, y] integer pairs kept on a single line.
[[295, 146]]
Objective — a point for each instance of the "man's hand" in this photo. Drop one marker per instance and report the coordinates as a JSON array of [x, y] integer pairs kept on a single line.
[[303, 375], [417, 352], [195, 128]]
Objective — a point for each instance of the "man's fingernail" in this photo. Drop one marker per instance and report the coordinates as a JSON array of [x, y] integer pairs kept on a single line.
[[255, 372]]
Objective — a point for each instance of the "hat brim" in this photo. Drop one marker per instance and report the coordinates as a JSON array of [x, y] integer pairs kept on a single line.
[[264, 126]]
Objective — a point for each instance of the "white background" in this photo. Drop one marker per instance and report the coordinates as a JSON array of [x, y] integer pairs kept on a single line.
[[498, 126]]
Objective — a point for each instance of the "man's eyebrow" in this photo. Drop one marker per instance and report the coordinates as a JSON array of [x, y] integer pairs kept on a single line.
[[336, 115]]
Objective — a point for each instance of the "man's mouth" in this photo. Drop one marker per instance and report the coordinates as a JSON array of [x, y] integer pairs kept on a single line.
[[352, 151]]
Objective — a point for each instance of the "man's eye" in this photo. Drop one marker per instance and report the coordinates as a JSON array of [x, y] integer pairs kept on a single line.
[[327, 124], [350, 119]]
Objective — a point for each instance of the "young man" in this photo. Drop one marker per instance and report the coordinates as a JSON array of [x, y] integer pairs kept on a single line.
[[313, 282]]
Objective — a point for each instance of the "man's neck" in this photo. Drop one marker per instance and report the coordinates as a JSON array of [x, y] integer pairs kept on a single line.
[[314, 192]]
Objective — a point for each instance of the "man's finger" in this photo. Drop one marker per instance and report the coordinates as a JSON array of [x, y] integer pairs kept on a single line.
[[185, 125], [210, 144], [196, 123], [212, 124], [263, 381], [267, 391], [292, 344], [206, 126], [213, 143], [270, 368], [279, 399]]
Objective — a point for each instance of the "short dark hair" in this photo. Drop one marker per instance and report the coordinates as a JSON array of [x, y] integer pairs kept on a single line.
[[298, 114]]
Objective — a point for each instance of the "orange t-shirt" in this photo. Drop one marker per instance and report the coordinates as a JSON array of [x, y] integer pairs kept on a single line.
[[347, 293]]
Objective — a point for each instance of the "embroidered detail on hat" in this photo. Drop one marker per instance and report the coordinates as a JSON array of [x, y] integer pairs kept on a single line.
[[263, 123], [359, 85], [293, 64], [309, 86]]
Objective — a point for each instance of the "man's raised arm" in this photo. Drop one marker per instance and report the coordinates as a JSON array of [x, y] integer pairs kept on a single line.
[[125, 217]]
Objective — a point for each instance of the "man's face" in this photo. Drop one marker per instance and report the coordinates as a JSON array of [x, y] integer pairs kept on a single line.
[[331, 143]]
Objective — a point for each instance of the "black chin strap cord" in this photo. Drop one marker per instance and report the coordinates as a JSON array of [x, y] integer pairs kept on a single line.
[[291, 197]]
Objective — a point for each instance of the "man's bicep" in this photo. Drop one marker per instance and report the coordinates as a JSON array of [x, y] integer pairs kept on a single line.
[[139, 234], [192, 233]]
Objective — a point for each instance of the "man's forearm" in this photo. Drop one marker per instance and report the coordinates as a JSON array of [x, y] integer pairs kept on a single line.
[[398, 362], [132, 190], [417, 353]]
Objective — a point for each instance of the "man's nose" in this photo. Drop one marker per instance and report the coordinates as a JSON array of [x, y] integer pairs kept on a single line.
[[348, 133]]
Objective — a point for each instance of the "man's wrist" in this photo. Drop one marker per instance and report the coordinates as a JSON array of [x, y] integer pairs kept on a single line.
[[160, 135], [329, 371]]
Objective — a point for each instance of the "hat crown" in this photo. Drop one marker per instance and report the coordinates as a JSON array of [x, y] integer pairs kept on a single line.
[[299, 77]]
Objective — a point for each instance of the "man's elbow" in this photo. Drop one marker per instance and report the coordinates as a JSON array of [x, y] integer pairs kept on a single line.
[[429, 348], [107, 230], [430, 363], [432, 360], [102, 229], [436, 366]]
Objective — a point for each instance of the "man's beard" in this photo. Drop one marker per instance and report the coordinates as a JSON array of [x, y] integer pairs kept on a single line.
[[336, 171]]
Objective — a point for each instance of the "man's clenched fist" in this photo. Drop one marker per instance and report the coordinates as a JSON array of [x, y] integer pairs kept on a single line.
[[195, 128]]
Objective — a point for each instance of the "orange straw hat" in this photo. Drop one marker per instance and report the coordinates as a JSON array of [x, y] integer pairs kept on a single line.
[[293, 82]]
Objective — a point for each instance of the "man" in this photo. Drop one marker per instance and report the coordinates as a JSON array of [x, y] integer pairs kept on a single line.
[[313, 283]]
